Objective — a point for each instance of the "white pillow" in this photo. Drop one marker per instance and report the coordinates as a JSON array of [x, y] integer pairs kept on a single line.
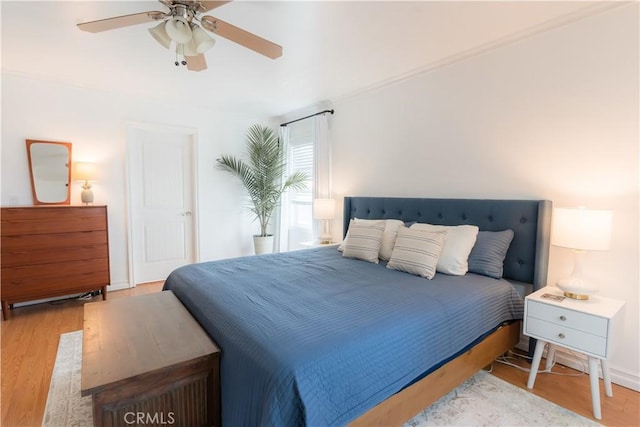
[[457, 247], [363, 241], [391, 227], [417, 251]]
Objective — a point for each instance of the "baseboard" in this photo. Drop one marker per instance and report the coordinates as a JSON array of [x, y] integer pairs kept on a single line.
[[43, 300], [118, 286], [579, 362], [112, 287]]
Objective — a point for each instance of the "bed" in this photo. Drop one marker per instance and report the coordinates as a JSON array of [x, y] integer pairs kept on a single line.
[[314, 338]]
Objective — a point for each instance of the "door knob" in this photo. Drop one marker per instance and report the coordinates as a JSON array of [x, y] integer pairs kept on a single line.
[[187, 213]]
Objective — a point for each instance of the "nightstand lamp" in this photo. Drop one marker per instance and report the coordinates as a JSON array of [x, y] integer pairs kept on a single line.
[[324, 210], [85, 171], [582, 230]]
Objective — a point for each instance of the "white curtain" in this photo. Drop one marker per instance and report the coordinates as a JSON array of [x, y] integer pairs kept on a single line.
[[321, 162], [281, 222]]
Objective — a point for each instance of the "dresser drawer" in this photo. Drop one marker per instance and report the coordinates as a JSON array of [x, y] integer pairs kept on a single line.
[[60, 213], [35, 288], [52, 241], [567, 337], [57, 225], [568, 318], [48, 272], [36, 258]]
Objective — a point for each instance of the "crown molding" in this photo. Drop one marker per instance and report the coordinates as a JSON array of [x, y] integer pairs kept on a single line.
[[593, 9]]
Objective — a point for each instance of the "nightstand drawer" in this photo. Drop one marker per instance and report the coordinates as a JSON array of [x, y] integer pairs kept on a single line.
[[568, 318], [566, 337]]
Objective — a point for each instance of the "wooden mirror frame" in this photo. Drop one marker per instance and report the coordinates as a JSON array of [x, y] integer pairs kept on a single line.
[[36, 201]]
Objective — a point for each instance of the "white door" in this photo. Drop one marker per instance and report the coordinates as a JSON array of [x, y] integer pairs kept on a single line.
[[161, 200]]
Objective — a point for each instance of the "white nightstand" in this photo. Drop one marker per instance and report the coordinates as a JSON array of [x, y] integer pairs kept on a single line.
[[316, 244], [583, 326]]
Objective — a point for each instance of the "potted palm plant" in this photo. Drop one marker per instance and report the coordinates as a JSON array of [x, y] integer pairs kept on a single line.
[[263, 176]]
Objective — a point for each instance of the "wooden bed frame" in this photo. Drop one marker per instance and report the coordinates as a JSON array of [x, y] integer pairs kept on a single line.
[[526, 262], [407, 403]]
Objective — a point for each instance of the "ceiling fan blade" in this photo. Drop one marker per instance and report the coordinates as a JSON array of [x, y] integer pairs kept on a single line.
[[120, 21], [242, 37], [196, 63], [210, 5]]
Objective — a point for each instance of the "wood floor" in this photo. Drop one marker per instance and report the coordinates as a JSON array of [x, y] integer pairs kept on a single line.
[[574, 393], [30, 342]]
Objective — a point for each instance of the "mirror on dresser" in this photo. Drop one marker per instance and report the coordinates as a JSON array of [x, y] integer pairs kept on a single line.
[[50, 171]]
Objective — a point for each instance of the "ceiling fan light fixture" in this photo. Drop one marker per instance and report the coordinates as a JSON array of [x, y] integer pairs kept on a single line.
[[159, 33], [178, 29], [203, 41], [187, 49]]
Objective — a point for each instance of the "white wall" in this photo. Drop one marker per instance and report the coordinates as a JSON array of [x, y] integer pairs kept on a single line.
[[94, 122], [554, 117]]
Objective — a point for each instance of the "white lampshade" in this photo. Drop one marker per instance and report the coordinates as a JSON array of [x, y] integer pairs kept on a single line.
[[186, 49], [84, 171], [178, 29], [324, 208], [159, 33], [202, 40], [582, 229]]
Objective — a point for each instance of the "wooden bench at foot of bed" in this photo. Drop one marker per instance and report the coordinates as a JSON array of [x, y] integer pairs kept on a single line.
[[145, 360], [407, 403]]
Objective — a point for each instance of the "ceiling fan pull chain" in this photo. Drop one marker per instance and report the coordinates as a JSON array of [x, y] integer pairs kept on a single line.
[[184, 60]]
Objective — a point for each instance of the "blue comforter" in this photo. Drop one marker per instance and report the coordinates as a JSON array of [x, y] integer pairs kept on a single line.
[[312, 338]]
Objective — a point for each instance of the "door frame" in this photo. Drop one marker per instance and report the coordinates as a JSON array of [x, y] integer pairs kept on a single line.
[[192, 133]]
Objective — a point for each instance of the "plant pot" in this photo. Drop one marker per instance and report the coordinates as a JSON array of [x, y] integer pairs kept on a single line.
[[263, 245]]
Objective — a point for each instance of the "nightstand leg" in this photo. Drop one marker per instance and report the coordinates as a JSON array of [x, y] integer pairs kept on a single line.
[[608, 390], [551, 354], [537, 356], [595, 387]]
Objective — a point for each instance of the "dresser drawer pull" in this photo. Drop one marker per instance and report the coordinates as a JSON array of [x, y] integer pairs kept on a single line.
[[561, 336], [563, 318]]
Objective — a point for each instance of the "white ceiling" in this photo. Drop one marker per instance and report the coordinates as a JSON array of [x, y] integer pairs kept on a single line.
[[331, 48]]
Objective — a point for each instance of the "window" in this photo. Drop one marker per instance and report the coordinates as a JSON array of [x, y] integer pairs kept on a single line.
[[308, 150]]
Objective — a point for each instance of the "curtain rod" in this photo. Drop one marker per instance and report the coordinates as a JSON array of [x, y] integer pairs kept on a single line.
[[302, 118]]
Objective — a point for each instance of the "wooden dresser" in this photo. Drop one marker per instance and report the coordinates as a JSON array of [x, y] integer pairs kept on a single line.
[[50, 251]]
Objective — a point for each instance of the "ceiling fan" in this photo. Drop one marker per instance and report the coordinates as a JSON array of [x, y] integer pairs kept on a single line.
[[180, 26]]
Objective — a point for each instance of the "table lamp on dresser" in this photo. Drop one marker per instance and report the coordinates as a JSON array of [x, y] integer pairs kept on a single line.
[[85, 171]]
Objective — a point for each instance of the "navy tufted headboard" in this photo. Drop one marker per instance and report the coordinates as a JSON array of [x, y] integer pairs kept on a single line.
[[530, 220]]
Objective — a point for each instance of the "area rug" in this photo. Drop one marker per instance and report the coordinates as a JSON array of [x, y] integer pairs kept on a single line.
[[65, 406], [482, 400]]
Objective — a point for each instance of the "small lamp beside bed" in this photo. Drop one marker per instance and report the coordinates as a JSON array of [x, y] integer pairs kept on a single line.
[[582, 230], [325, 211]]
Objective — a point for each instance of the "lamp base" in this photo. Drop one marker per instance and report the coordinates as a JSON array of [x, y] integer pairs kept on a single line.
[[575, 296], [577, 288], [324, 239], [86, 196]]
